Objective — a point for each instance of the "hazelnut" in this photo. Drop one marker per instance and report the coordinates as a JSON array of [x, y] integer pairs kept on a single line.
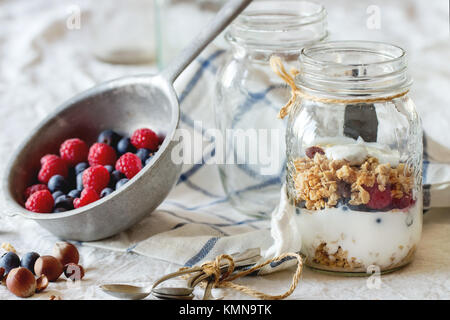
[[41, 283], [49, 266], [21, 282], [66, 253], [73, 271]]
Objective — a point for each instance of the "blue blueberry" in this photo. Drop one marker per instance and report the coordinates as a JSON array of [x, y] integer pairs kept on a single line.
[[121, 182], [74, 193], [28, 260], [115, 177], [61, 209], [71, 176], [109, 137], [342, 203], [57, 194], [143, 154], [360, 207], [9, 261], [80, 167], [105, 192], [109, 168], [64, 202], [125, 146], [148, 160], [58, 183], [72, 180], [80, 181]]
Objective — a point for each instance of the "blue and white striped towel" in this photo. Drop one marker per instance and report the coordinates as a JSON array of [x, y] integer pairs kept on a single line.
[[196, 222]]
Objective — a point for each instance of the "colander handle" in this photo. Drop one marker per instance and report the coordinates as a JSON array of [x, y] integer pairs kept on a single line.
[[223, 18]]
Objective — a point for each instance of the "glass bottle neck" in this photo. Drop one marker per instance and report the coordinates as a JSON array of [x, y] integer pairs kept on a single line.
[[282, 27], [353, 68]]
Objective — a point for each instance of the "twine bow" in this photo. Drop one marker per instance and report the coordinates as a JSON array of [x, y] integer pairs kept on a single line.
[[277, 66], [212, 268]]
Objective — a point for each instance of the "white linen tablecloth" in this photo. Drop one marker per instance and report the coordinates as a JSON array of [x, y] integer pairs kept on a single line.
[[42, 63]]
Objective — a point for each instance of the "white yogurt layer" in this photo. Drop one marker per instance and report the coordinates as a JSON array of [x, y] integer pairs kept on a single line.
[[373, 238], [354, 153], [357, 151]]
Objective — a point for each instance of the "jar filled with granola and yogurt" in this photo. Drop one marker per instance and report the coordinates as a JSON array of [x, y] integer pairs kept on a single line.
[[354, 158]]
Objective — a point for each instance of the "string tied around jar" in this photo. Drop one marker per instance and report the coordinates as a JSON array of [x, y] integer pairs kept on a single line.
[[289, 77]]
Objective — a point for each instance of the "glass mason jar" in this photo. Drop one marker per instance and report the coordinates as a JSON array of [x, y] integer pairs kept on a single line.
[[354, 158], [248, 96]]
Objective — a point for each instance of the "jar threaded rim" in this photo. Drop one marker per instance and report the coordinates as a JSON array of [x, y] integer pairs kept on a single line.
[[343, 68], [268, 26]]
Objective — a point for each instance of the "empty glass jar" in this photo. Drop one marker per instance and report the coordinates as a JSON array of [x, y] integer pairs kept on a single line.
[[354, 147], [248, 96]]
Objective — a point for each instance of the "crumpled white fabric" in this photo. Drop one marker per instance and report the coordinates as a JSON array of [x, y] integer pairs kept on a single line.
[[284, 229]]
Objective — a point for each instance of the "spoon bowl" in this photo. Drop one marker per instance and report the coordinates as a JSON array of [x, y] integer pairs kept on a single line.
[[130, 292], [124, 291]]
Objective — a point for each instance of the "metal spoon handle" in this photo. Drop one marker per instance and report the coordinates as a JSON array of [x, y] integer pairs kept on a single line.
[[223, 18], [245, 262], [207, 295]]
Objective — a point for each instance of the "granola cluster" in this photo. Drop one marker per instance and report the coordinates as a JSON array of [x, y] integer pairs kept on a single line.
[[338, 259], [322, 183]]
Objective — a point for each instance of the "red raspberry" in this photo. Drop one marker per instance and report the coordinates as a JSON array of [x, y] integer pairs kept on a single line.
[[311, 151], [129, 164], [145, 138], [47, 157], [379, 199], [403, 202], [34, 188], [101, 153], [87, 196], [74, 151], [96, 178], [52, 166], [40, 201]]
